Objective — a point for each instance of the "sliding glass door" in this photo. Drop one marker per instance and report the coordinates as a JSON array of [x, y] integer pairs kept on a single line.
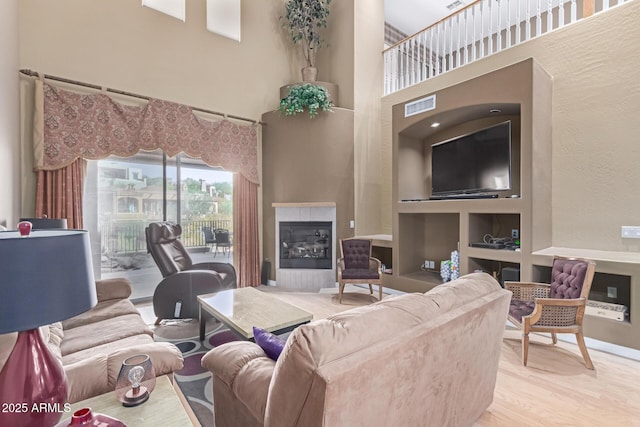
[[124, 195]]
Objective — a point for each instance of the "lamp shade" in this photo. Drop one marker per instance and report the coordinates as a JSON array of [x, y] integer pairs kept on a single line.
[[44, 278]]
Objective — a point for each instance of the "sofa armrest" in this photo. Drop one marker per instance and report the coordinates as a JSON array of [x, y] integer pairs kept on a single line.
[[227, 360], [108, 289], [226, 271], [165, 358], [87, 378], [241, 372]]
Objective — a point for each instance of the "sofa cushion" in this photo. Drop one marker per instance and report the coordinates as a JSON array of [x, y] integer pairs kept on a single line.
[[104, 310], [106, 348], [105, 331], [270, 343]]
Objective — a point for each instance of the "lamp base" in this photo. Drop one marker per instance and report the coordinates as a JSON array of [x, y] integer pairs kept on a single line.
[[134, 399], [33, 380]]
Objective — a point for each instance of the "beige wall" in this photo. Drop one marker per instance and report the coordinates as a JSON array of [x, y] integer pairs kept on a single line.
[[368, 77], [120, 44], [307, 160], [596, 99], [9, 114]]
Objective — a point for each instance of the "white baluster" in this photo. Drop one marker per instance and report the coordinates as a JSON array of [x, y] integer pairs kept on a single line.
[[549, 16], [538, 18], [430, 71], [508, 33], [561, 14], [499, 40], [466, 35], [458, 47], [605, 4], [574, 12], [490, 32], [481, 15]]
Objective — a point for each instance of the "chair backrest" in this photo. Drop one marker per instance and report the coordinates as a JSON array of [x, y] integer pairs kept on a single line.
[[356, 253], [571, 277], [45, 223], [166, 249], [222, 236], [208, 235]]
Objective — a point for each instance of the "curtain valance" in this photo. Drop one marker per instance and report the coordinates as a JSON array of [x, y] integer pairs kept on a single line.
[[94, 126]]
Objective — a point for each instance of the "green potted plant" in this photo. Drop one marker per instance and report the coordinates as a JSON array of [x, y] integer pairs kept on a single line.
[[305, 19], [313, 97]]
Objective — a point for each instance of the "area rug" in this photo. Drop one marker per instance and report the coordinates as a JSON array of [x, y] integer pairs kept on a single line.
[[194, 381]]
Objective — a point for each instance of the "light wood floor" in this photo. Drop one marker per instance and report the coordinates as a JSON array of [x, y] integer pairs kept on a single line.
[[555, 389]]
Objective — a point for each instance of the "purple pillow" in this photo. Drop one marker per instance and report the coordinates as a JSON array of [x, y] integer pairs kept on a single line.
[[271, 344]]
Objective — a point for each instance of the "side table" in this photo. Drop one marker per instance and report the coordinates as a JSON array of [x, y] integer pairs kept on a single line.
[[164, 408]]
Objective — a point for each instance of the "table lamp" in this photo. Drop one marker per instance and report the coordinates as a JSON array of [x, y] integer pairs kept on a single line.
[[45, 277]]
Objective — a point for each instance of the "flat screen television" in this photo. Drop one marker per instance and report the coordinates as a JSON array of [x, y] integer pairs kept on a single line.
[[477, 162]]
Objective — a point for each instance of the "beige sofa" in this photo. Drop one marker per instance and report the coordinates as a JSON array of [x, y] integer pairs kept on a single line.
[[93, 344], [410, 360]]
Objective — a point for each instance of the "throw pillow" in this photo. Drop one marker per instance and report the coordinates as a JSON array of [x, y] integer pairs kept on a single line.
[[271, 344]]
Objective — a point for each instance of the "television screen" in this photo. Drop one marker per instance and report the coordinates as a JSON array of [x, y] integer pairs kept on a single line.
[[473, 163]]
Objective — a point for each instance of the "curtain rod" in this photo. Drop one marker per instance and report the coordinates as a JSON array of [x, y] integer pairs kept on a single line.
[[133, 95]]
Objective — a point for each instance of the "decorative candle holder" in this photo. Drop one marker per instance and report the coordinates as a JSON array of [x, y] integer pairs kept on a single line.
[[24, 227], [136, 380]]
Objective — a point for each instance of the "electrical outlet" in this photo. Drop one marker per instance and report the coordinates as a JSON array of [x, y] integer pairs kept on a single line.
[[432, 264], [515, 233]]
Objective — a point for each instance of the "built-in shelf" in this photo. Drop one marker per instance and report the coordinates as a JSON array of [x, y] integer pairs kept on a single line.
[[596, 255]]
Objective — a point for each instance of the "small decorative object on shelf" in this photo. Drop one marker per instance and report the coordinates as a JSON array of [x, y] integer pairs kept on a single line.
[[136, 380], [445, 270], [455, 265], [310, 96], [84, 417]]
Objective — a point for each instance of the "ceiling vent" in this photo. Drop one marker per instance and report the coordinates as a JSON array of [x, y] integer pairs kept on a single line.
[[420, 106]]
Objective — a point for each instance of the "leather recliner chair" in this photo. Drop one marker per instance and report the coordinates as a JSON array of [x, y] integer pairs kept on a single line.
[[176, 295]]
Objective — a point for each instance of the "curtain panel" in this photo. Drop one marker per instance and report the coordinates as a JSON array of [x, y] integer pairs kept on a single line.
[[245, 231], [94, 126], [59, 193]]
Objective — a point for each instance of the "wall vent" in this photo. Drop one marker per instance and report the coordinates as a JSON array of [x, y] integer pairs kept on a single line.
[[420, 106]]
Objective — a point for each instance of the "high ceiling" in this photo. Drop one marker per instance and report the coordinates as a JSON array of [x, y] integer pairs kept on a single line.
[[411, 16]]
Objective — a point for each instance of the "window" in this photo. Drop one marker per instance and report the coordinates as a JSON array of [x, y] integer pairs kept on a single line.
[[123, 195]]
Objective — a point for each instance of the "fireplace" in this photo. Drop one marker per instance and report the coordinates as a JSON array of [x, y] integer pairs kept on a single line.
[[306, 244]]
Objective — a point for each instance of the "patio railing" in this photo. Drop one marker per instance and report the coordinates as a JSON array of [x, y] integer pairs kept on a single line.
[[479, 30], [130, 237]]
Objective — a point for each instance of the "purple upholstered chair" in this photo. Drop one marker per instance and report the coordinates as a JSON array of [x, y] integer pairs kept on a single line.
[[555, 308], [356, 265]]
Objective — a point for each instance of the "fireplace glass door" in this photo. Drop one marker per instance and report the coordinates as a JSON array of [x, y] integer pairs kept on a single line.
[[305, 244]]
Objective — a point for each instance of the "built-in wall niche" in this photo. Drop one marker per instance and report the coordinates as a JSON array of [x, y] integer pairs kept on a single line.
[[485, 227], [384, 254], [414, 145], [433, 237], [492, 267]]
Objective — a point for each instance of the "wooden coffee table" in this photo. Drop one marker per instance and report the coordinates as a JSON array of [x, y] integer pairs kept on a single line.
[[243, 308]]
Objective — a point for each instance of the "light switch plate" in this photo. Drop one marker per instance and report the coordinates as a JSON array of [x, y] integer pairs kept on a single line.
[[630, 232]]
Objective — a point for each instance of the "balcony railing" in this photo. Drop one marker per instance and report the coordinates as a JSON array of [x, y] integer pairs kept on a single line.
[[129, 237], [479, 30]]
